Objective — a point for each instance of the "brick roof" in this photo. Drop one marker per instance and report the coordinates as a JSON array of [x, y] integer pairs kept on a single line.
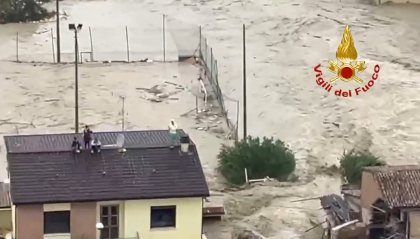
[[140, 173], [400, 185], [62, 142]]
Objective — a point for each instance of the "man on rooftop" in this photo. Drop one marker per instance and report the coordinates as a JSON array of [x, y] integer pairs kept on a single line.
[[87, 137]]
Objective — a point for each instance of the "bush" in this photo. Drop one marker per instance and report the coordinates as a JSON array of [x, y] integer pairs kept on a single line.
[[22, 10], [352, 163], [261, 158]]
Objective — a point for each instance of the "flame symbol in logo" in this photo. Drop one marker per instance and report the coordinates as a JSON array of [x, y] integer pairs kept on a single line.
[[346, 67], [347, 52]]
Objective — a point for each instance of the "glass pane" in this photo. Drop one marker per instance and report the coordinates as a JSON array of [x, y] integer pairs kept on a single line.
[[114, 220], [114, 232], [104, 211], [105, 233], [114, 210], [163, 217], [57, 222], [104, 221]]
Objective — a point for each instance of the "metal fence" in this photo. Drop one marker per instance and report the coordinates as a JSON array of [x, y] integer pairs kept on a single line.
[[172, 41], [168, 41], [211, 72]]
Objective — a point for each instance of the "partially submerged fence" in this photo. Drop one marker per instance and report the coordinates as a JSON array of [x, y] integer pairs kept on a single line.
[[170, 40], [212, 73]]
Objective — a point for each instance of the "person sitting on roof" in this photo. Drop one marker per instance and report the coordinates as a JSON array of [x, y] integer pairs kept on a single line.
[[173, 132], [96, 146], [75, 145]]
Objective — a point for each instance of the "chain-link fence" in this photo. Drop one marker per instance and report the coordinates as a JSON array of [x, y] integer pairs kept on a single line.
[[211, 71], [174, 40]]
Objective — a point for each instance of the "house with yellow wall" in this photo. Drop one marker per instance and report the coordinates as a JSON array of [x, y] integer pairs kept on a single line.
[[144, 189]]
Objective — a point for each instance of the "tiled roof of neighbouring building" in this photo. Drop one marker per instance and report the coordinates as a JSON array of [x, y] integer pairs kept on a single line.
[[149, 169], [400, 185]]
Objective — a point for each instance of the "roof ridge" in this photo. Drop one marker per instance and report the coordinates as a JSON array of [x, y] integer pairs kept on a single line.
[[95, 132]]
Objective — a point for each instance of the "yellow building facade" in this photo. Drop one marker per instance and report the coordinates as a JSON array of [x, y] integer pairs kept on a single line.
[[188, 219]]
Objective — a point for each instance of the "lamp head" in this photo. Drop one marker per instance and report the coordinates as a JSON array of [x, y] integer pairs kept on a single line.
[[73, 27], [99, 226]]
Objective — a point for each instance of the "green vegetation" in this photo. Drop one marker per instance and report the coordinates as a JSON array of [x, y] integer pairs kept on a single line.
[[261, 158], [22, 10], [352, 163]]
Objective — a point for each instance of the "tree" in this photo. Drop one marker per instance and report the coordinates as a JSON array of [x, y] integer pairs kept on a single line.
[[22, 10], [261, 158], [353, 162]]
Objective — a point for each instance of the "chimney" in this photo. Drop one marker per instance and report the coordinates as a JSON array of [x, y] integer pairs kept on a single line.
[[185, 143]]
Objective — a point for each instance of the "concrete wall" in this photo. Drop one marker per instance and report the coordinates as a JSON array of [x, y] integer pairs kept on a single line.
[[370, 192], [188, 219], [414, 225], [6, 219], [83, 220], [134, 216], [378, 2], [30, 221]]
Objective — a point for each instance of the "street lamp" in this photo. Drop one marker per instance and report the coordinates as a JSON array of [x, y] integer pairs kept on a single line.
[[76, 28], [58, 31]]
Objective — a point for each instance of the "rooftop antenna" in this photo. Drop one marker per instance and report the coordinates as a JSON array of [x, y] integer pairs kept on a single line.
[[123, 112]]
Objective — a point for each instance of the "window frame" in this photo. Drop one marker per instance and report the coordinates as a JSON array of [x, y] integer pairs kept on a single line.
[[156, 208], [108, 226], [48, 230]]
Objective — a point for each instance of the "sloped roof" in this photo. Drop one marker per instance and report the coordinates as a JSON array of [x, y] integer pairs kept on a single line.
[[400, 185], [140, 173]]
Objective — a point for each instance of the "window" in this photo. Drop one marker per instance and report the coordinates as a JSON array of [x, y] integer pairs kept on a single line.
[[109, 217], [163, 217], [57, 222]]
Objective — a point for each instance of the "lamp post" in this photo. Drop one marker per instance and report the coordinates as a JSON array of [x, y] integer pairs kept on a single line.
[[76, 29], [57, 6]]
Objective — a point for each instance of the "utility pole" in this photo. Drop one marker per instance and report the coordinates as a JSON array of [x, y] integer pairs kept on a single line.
[[244, 81], [164, 37], [58, 31], [123, 112], [76, 72], [76, 29]]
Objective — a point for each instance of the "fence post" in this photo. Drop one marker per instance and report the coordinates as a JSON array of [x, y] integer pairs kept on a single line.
[[196, 104], [52, 45], [211, 63], [200, 55], [91, 44], [17, 46], [128, 46], [164, 38], [206, 61], [237, 121]]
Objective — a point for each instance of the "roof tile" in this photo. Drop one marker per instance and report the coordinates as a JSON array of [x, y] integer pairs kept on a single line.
[[140, 173], [400, 185]]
